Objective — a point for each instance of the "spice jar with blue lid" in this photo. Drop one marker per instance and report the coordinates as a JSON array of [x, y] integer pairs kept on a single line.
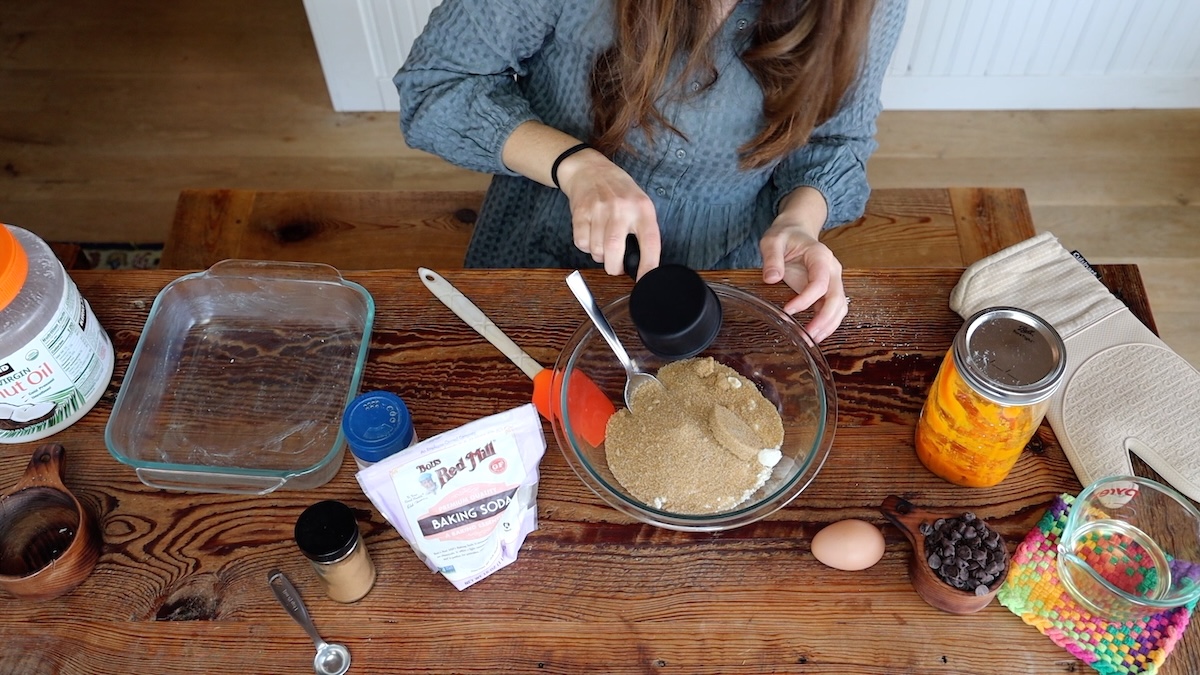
[[377, 425]]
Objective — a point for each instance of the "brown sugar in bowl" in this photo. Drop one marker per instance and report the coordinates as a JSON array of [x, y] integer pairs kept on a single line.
[[932, 589]]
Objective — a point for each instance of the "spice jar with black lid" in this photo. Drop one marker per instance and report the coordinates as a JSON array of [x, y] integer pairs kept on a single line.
[[327, 534]]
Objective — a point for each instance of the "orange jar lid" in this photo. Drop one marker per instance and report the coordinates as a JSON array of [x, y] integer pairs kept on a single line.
[[14, 265]]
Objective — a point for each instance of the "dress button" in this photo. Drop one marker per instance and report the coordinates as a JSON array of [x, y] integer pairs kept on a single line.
[[695, 86], [660, 191], [741, 24], [681, 153]]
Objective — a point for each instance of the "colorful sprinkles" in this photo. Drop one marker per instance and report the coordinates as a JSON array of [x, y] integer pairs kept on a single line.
[[1034, 593]]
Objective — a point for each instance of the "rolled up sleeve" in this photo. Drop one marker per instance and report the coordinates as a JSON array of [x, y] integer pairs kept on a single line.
[[458, 93], [834, 161]]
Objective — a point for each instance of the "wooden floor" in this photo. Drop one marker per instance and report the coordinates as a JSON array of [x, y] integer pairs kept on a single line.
[[109, 109]]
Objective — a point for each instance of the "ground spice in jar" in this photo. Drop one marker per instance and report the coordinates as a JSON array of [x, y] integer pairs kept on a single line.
[[702, 443], [327, 534]]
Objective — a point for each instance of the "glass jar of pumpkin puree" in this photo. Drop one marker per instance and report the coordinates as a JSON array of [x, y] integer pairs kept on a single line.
[[990, 395]]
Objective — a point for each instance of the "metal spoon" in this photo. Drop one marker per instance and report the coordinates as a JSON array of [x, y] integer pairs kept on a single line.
[[634, 378], [331, 658]]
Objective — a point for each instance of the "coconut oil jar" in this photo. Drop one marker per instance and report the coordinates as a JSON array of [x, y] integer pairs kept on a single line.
[[989, 396], [55, 359]]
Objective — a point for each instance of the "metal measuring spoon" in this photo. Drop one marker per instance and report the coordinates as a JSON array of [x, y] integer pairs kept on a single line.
[[331, 658], [634, 378]]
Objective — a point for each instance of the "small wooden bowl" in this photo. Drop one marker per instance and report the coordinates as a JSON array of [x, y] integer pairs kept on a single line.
[[49, 542], [908, 517]]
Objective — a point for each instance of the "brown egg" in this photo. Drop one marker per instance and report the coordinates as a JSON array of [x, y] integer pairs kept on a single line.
[[848, 545]]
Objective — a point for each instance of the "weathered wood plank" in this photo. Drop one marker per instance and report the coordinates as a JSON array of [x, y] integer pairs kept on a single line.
[[367, 229]]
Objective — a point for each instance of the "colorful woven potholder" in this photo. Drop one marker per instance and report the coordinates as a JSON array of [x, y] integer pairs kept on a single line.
[[1034, 593]]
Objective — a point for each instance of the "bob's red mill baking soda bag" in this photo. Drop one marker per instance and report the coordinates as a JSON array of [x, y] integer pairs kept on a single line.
[[464, 500]]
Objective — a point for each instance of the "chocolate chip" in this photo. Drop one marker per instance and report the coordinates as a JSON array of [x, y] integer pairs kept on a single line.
[[964, 552]]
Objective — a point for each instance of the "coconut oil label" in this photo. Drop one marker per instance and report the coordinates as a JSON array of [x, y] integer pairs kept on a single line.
[[57, 376], [464, 500]]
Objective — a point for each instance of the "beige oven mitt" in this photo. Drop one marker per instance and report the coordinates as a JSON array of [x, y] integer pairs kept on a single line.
[[1124, 389]]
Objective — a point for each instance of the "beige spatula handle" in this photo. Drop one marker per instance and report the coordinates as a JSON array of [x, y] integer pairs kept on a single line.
[[475, 318]]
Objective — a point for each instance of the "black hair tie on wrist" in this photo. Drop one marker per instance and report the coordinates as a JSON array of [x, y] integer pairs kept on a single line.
[[565, 154]]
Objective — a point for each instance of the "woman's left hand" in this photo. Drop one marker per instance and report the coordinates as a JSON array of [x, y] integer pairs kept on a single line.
[[792, 253]]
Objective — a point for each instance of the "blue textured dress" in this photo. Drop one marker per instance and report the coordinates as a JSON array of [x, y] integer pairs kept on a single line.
[[482, 67]]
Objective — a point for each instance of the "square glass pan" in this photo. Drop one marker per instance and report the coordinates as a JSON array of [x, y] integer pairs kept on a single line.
[[240, 377]]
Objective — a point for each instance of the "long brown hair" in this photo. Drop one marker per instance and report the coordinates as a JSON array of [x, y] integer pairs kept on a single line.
[[804, 54]]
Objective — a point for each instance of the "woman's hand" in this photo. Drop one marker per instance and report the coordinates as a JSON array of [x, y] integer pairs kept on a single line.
[[607, 205], [792, 253]]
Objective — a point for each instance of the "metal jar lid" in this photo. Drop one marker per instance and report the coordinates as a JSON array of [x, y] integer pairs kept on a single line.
[[1010, 356]]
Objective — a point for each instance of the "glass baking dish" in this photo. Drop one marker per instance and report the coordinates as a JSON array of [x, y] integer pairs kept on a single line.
[[240, 377]]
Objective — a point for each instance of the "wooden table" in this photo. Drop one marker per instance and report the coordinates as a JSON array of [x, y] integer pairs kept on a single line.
[[181, 585], [386, 229]]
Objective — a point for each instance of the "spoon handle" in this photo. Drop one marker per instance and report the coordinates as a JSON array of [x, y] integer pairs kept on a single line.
[[584, 294], [290, 598], [466, 310]]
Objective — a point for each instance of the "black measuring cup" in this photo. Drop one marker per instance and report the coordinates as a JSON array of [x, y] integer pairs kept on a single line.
[[676, 314]]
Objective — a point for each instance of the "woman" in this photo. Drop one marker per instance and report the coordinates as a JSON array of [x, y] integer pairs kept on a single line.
[[723, 134]]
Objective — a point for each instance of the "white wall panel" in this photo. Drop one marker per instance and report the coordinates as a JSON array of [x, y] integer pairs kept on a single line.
[[1039, 54], [952, 54]]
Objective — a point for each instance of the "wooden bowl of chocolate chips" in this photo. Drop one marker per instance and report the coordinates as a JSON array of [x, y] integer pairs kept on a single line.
[[958, 562]]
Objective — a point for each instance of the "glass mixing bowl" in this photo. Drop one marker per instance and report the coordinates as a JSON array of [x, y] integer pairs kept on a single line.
[[760, 342]]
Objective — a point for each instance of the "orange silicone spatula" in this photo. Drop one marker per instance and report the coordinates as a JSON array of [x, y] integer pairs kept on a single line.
[[589, 408]]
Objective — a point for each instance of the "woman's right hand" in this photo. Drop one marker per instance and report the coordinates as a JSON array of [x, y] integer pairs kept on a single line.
[[606, 206]]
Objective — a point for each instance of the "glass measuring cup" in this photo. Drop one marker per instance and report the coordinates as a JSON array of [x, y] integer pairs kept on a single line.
[[1130, 548]]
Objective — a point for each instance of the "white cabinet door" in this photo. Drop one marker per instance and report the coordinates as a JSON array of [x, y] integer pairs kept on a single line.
[[361, 44], [953, 54]]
